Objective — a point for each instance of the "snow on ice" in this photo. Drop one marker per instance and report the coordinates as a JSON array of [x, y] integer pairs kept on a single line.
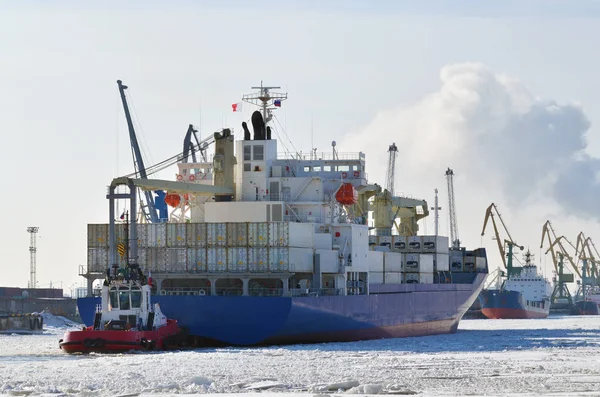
[[557, 356]]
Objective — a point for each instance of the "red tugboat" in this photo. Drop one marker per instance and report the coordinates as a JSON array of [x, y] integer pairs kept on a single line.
[[126, 320]]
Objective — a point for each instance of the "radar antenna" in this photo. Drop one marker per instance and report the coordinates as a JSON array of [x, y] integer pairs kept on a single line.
[[266, 99]]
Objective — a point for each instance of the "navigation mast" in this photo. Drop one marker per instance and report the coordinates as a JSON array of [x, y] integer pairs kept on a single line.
[[266, 99]]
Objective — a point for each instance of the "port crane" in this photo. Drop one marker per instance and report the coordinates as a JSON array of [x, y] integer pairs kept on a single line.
[[454, 239], [586, 255], [391, 169], [507, 258], [561, 296], [150, 210]]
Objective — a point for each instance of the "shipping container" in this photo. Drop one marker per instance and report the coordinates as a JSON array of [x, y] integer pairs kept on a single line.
[[372, 240], [237, 234], [419, 278], [156, 236], [456, 261], [399, 243], [435, 244], [278, 259], [384, 241], [142, 234], [302, 235], [237, 259], [97, 260], [442, 263], [375, 260], [216, 257], [176, 235], [393, 277], [426, 263], [480, 263], [279, 234], [258, 259], [153, 259], [322, 241], [216, 234], [469, 264], [392, 262], [415, 243], [301, 260], [258, 234], [196, 260], [97, 235], [176, 260], [411, 263], [375, 277], [196, 235]]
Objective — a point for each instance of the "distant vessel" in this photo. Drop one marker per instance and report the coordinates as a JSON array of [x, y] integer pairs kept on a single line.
[[262, 247], [523, 295]]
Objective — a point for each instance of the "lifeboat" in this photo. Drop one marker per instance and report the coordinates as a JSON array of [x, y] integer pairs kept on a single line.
[[346, 194], [127, 320]]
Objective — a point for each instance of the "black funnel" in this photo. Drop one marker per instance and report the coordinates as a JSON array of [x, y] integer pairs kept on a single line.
[[258, 125], [246, 131], [268, 133]]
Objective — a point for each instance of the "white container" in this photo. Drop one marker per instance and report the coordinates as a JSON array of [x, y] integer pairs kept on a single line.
[[176, 260], [456, 261], [237, 259], [301, 260], [384, 241], [142, 234], [469, 264], [216, 258], [322, 241], [216, 234], [480, 263], [392, 262], [411, 263], [157, 235], [97, 235], [176, 233], [375, 277], [258, 234], [419, 278], [442, 263], [279, 234], [196, 235], [375, 260], [426, 263], [237, 234], [329, 261], [302, 235], [399, 243], [196, 260], [258, 259], [435, 244], [393, 278], [278, 259], [97, 260], [415, 243], [153, 259]]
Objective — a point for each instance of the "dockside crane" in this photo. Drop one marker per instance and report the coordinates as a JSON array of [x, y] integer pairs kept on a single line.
[[561, 296], [507, 257], [149, 210], [585, 254], [454, 239], [556, 246]]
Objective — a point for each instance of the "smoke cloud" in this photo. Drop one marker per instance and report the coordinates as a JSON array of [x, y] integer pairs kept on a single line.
[[494, 132]]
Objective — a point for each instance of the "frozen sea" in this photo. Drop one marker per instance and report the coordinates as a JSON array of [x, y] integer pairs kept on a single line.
[[557, 356]]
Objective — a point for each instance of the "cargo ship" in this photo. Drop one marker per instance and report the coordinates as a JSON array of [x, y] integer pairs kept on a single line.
[[523, 295], [261, 248]]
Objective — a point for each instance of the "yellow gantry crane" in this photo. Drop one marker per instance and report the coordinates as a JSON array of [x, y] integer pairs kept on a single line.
[[585, 254], [556, 247], [490, 213]]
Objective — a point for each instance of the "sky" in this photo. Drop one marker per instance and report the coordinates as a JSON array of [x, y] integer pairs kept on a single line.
[[505, 94]]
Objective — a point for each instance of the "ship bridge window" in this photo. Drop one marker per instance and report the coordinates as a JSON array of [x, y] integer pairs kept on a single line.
[[247, 152], [327, 168], [307, 168], [114, 298], [124, 299], [317, 168], [343, 168], [259, 152], [136, 298]]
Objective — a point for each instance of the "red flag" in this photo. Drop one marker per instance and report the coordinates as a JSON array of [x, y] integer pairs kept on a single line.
[[234, 106]]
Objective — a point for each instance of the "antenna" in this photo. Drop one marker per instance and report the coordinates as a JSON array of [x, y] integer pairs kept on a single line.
[[436, 208], [391, 170], [454, 239], [32, 255], [265, 98]]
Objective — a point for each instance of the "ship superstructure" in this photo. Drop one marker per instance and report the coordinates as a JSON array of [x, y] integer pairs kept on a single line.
[[289, 248]]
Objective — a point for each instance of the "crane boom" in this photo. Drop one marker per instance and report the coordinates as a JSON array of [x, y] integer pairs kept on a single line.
[[489, 213], [138, 161], [452, 210], [391, 169]]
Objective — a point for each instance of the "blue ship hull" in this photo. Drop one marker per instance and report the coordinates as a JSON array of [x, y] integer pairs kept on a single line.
[[507, 304], [391, 310]]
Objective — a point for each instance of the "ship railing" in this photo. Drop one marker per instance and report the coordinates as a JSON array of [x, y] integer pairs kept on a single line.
[[265, 291], [185, 291], [228, 291], [321, 156], [311, 292]]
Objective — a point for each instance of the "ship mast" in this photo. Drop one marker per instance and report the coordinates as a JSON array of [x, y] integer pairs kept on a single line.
[[265, 99]]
